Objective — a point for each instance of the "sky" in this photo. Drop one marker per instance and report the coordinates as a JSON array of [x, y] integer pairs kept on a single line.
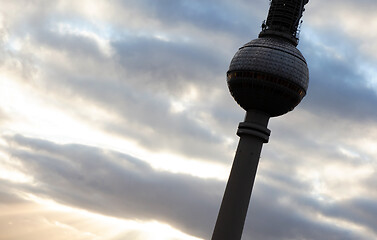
[[116, 122]]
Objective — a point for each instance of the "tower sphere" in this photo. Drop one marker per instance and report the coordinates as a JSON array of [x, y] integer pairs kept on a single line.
[[268, 74]]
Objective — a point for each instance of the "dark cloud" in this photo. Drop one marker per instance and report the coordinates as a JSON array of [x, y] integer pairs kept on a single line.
[[338, 87], [152, 73], [275, 214], [169, 65], [147, 66], [359, 210], [212, 16], [119, 185]]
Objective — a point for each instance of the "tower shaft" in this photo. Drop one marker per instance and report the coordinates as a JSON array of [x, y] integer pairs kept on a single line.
[[283, 19], [267, 77], [253, 133]]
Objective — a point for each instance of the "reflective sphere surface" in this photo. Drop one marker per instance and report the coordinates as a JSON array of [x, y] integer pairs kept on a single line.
[[269, 75]]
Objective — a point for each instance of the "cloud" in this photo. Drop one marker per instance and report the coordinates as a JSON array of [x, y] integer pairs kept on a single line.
[[338, 85], [155, 75], [276, 214], [141, 67], [212, 16], [119, 185], [131, 93]]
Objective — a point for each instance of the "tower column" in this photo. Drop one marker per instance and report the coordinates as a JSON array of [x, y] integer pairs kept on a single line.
[[267, 77], [253, 133]]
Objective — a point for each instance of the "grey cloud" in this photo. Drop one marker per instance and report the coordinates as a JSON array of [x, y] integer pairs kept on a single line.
[[359, 210], [119, 185], [150, 67], [147, 66], [7, 192], [272, 218], [209, 15], [147, 119], [337, 86], [48, 35], [149, 72], [169, 65]]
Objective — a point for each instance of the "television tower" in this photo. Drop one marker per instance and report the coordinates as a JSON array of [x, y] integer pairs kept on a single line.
[[267, 77]]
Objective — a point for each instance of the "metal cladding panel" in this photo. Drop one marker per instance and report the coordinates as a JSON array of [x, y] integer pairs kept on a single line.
[[283, 19], [284, 15], [272, 56]]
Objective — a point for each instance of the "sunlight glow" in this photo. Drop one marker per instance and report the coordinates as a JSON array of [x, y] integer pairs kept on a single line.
[[336, 181], [111, 227], [35, 116], [103, 43], [358, 27], [162, 37], [185, 101], [347, 225], [194, 167], [371, 75], [13, 175], [348, 153]]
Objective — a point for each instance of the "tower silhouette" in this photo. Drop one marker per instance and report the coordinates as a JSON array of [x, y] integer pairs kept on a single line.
[[267, 77]]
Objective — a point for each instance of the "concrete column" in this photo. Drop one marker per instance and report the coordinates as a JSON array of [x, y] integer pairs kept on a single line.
[[253, 133]]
